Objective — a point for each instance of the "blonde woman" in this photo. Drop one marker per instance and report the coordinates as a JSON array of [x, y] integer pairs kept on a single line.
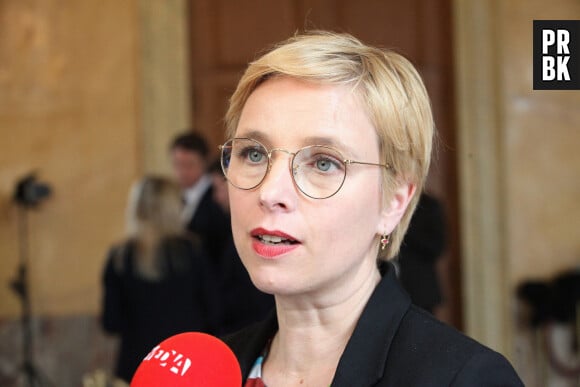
[[329, 146], [157, 282]]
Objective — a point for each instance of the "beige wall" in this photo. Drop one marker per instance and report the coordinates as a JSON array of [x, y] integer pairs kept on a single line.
[[542, 136], [91, 92], [67, 109], [519, 168], [542, 175], [164, 78]]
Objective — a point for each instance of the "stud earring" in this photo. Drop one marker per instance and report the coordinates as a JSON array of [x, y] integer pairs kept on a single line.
[[385, 241]]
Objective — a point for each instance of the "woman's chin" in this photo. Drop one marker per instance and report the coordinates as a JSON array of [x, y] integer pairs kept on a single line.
[[266, 283], [272, 283]]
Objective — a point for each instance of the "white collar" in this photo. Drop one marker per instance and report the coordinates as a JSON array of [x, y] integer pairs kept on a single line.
[[194, 194]]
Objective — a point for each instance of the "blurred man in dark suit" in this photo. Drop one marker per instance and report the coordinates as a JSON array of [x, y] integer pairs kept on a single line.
[[242, 302], [202, 215], [422, 247]]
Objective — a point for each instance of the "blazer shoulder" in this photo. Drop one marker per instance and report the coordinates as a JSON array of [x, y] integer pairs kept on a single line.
[[487, 368], [426, 350]]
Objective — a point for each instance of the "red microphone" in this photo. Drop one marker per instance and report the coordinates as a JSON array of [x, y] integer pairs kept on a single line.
[[187, 360]]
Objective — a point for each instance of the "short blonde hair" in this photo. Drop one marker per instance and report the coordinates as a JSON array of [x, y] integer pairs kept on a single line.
[[389, 87]]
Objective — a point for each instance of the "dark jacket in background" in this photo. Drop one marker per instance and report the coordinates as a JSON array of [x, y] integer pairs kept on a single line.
[[145, 312], [423, 245], [243, 304], [211, 224], [396, 344], [239, 303]]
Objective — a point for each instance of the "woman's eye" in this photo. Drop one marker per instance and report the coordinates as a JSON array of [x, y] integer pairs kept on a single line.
[[252, 155], [255, 156], [323, 164]]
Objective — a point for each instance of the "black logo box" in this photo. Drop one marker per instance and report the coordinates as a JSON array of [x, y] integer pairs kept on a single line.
[[573, 28]]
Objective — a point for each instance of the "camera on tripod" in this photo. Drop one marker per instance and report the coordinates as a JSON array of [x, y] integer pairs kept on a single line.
[[29, 192]]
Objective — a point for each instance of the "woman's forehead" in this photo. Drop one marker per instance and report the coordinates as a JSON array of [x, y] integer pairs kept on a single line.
[[286, 110]]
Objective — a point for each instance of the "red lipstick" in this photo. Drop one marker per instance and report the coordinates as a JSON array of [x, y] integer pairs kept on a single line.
[[272, 243]]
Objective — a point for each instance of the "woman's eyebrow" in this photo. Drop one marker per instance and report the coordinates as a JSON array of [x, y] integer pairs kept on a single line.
[[256, 135], [332, 142]]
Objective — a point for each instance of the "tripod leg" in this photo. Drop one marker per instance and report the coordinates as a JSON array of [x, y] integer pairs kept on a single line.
[[21, 286]]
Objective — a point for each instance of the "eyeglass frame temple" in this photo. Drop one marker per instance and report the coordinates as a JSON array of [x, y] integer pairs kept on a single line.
[[348, 161]]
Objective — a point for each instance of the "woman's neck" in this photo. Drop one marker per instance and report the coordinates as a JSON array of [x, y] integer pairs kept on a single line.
[[313, 335]]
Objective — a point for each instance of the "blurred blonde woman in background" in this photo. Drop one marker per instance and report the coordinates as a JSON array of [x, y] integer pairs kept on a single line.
[[157, 282]]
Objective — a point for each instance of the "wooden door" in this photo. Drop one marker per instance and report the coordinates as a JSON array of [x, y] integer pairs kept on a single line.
[[227, 34]]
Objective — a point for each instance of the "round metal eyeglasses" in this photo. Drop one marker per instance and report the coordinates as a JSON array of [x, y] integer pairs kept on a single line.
[[318, 171]]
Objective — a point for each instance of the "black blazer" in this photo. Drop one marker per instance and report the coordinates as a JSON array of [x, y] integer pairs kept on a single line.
[[212, 225], [242, 303], [422, 247], [144, 312], [396, 344]]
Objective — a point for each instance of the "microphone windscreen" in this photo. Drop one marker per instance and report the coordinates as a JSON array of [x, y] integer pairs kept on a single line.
[[187, 360]]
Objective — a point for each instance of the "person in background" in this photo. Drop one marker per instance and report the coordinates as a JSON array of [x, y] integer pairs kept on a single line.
[[158, 281], [202, 215], [329, 143], [422, 247], [220, 187], [241, 302]]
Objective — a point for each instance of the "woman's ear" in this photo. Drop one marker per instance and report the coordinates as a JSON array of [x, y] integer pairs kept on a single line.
[[394, 209]]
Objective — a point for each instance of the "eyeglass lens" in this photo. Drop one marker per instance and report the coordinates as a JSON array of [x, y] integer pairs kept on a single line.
[[318, 171]]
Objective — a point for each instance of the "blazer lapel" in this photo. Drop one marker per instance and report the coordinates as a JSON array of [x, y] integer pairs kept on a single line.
[[363, 362], [250, 343], [364, 359]]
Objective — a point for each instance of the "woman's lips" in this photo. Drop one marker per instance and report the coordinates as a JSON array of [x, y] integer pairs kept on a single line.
[[272, 243]]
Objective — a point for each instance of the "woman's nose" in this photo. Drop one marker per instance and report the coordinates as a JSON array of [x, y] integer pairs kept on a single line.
[[277, 191]]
